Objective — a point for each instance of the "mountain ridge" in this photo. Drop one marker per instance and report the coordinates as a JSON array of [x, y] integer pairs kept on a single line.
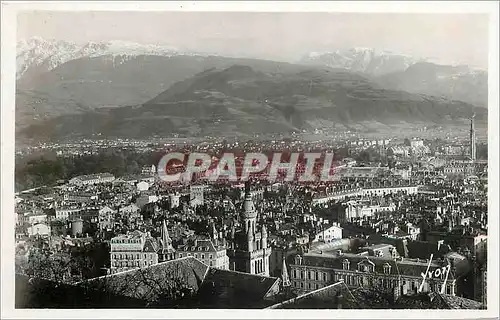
[[454, 82], [241, 101], [37, 52]]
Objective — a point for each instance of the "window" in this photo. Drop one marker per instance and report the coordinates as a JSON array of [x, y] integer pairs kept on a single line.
[[324, 276], [180, 255], [301, 274], [387, 268], [345, 264], [196, 255], [317, 275], [203, 256], [309, 275], [210, 256], [295, 273]]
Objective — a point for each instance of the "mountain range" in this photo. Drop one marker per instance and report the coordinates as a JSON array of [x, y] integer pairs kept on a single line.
[[363, 60], [402, 72], [37, 55], [124, 89]]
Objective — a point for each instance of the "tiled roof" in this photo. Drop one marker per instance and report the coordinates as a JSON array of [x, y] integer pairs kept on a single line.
[[200, 245], [424, 249], [338, 296], [232, 289], [323, 298], [151, 283], [150, 245]]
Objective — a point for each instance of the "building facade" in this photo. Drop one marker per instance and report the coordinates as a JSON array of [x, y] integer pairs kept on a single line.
[[196, 195], [329, 234], [92, 179], [208, 251], [132, 251], [312, 271], [106, 218]]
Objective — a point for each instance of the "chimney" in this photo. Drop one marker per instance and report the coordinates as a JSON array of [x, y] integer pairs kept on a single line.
[[439, 244]]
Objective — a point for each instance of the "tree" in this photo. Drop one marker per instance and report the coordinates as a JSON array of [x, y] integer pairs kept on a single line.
[[158, 286], [46, 266]]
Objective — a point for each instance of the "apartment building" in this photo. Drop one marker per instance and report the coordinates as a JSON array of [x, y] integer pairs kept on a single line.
[[312, 271], [133, 250]]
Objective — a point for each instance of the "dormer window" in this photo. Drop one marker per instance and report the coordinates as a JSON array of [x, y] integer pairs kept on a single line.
[[387, 268], [345, 264], [365, 266]]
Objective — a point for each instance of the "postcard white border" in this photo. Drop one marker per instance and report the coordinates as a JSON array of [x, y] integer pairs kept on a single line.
[[9, 10]]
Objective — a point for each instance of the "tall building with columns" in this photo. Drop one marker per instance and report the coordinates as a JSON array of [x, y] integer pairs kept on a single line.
[[249, 251]]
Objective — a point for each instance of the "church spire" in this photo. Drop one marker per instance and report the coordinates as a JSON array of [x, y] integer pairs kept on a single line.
[[284, 275], [166, 251], [166, 241]]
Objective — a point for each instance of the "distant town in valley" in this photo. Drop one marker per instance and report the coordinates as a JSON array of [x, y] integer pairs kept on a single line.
[[401, 224], [360, 241]]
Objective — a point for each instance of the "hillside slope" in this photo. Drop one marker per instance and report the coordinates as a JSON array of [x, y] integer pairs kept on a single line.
[[244, 101]]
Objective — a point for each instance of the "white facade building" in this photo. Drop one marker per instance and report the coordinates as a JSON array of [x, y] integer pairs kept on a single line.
[[92, 179], [329, 234], [132, 251]]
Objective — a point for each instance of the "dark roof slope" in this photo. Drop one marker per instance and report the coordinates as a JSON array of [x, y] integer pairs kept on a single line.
[[162, 284], [232, 289], [324, 298]]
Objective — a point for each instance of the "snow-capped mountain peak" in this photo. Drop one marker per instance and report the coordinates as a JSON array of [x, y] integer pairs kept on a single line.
[[48, 54], [361, 59]]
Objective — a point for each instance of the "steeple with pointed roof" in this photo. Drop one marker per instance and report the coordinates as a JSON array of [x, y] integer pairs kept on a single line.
[[167, 251], [284, 275]]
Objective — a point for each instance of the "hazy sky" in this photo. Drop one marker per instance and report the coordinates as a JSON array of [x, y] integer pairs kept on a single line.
[[448, 38]]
